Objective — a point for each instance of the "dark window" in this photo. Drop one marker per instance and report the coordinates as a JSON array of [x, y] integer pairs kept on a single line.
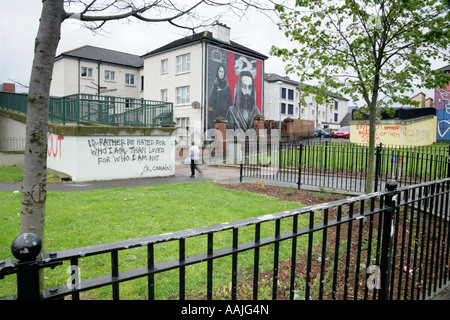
[[291, 94]]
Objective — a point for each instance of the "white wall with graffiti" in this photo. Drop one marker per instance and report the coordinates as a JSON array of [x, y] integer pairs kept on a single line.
[[90, 158]]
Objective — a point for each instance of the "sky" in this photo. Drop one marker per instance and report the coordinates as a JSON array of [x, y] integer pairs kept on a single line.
[[18, 29]]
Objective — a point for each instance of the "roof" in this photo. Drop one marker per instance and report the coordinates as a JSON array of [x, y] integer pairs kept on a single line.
[[445, 69], [105, 56], [205, 36], [272, 77]]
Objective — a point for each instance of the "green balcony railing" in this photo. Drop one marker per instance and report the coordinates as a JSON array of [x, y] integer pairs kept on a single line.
[[107, 110]]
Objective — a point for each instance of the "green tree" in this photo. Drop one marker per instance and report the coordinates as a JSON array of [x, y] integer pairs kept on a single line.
[[374, 51]]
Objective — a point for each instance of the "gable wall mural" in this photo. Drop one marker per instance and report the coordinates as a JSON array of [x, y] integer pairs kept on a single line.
[[442, 106], [234, 88]]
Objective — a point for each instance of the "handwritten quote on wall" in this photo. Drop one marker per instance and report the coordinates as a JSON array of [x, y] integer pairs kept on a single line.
[[150, 151]]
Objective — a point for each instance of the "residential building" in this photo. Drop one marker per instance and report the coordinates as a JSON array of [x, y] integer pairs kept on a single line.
[[423, 101], [200, 74], [281, 97], [282, 100], [93, 70]]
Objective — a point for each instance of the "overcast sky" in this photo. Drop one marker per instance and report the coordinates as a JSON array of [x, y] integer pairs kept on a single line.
[[19, 20]]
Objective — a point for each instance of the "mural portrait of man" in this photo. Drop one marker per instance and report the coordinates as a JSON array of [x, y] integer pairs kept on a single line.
[[240, 116]]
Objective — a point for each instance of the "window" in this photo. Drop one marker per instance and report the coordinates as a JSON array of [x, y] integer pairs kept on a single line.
[[142, 83], [164, 96], [335, 117], [290, 109], [291, 94], [86, 72], [182, 126], [109, 75], [184, 63], [335, 105], [183, 95], [164, 66], [283, 93], [129, 78], [283, 108]]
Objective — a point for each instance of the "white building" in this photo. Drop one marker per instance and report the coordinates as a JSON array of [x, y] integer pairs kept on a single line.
[[282, 100], [92, 70]]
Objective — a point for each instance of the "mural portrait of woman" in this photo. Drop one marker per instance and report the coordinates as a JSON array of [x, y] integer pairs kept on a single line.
[[219, 99]]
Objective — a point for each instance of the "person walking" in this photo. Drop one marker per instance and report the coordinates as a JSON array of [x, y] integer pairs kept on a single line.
[[194, 152]]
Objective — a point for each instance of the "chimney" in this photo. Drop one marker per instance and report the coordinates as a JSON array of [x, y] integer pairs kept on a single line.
[[221, 32], [9, 87]]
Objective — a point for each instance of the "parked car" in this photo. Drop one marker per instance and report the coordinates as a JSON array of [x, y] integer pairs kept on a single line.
[[321, 133], [343, 132]]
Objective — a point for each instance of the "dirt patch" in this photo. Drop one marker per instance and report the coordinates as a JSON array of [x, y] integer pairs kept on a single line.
[[305, 197]]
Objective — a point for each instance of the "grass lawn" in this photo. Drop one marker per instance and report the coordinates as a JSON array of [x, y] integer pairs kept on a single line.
[[84, 218], [11, 174]]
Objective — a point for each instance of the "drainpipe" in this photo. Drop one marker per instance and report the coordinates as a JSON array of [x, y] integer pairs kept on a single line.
[[79, 75], [98, 78]]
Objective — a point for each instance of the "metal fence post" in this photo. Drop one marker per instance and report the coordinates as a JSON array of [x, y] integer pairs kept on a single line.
[[241, 170], [300, 151], [377, 167], [26, 248], [386, 244], [448, 165]]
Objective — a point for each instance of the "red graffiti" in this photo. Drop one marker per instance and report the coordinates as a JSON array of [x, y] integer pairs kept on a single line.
[[53, 147]]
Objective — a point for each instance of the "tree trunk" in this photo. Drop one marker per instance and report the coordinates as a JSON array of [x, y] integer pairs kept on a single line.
[[34, 182], [371, 152]]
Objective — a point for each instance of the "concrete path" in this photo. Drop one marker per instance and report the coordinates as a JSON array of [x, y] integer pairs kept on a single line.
[[182, 175]]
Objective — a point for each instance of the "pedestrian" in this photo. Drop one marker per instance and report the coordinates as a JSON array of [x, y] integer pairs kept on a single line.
[[194, 152]]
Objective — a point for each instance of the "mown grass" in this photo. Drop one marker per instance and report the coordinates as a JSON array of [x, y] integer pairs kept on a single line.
[[85, 218], [13, 174]]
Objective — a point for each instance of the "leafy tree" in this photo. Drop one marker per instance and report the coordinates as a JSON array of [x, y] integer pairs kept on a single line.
[[377, 51], [94, 14]]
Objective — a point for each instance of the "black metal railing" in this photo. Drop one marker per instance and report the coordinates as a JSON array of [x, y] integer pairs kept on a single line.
[[384, 245], [343, 166]]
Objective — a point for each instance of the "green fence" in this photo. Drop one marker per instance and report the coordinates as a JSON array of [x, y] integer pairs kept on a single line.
[[107, 110]]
